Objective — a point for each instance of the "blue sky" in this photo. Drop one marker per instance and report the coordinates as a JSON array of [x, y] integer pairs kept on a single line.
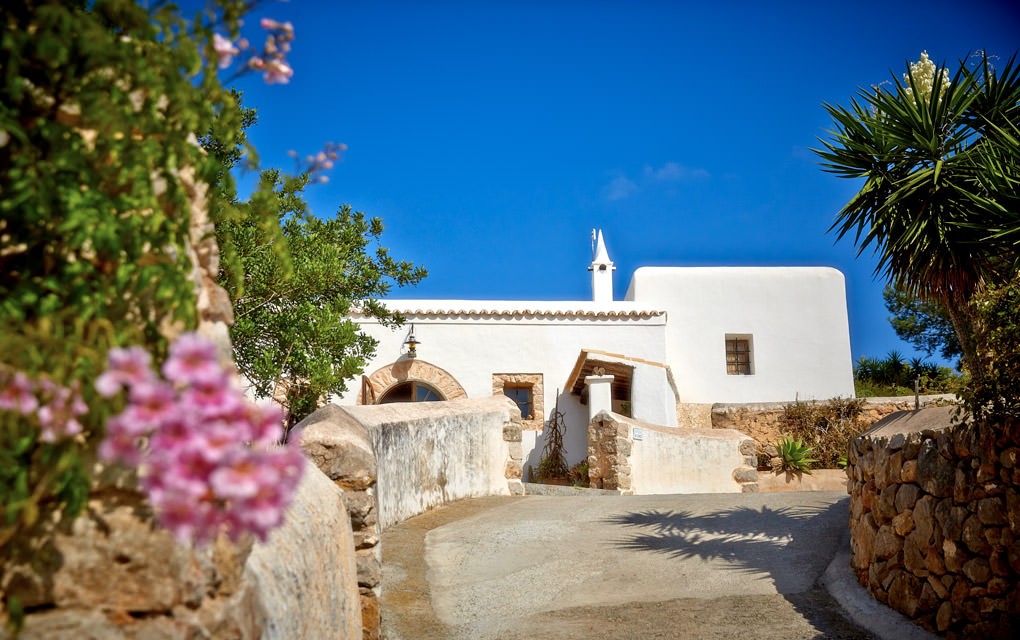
[[491, 137]]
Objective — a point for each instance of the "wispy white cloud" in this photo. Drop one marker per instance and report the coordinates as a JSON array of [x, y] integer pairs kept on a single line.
[[673, 172], [621, 187]]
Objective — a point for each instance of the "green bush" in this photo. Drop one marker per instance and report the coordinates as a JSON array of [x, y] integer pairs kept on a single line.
[[894, 376], [827, 428]]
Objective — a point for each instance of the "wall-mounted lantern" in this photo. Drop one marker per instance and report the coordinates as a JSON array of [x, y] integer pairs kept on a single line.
[[412, 343]]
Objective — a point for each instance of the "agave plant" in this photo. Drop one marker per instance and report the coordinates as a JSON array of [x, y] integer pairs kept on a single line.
[[794, 455]]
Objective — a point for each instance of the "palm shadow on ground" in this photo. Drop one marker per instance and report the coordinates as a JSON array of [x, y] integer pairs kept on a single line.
[[778, 544]]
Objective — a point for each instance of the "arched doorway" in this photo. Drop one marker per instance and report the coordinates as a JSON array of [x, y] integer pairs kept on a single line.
[[409, 380]]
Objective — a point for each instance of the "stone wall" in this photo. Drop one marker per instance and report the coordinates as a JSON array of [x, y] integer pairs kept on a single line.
[[112, 574], [398, 460], [765, 423], [637, 458], [935, 521]]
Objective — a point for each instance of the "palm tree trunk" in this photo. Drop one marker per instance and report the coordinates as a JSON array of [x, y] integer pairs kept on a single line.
[[968, 330]]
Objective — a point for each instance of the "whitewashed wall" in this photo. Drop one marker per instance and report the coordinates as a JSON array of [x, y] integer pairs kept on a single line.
[[685, 461], [796, 315], [471, 348], [433, 453]]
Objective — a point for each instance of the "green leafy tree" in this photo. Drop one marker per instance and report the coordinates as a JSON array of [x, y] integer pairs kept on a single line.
[[99, 104], [998, 307], [926, 326], [292, 334], [939, 204]]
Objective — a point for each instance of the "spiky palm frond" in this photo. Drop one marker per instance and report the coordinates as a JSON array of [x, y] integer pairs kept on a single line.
[[939, 201]]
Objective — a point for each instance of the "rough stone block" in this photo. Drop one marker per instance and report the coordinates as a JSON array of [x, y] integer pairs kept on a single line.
[[745, 474], [908, 473], [906, 497], [887, 543], [953, 556], [944, 617], [977, 570], [963, 489], [371, 617], [924, 520], [512, 432], [862, 542], [369, 569], [904, 593], [365, 539], [934, 474], [885, 508], [516, 451], [937, 587], [362, 509], [513, 470], [903, 523], [339, 446], [992, 511], [1010, 458], [973, 536]]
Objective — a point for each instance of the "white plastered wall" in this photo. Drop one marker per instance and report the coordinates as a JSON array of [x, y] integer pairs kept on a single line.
[[471, 348], [796, 316]]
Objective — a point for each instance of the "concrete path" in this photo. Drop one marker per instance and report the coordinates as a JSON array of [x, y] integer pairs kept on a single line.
[[593, 567]]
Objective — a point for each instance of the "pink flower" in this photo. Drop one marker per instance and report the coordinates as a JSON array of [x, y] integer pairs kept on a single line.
[[239, 478], [198, 470], [58, 418], [214, 401], [124, 367], [267, 424], [176, 434], [152, 401], [219, 439], [120, 447], [17, 393], [193, 360], [225, 50], [187, 520], [285, 28], [277, 72]]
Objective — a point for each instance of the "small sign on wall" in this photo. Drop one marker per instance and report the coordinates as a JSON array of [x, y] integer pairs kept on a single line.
[[637, 433]]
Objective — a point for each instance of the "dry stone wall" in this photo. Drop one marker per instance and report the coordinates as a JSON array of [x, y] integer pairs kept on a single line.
[[935, 521], [765, 422]]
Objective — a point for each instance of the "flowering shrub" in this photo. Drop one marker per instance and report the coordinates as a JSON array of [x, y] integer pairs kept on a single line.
[[58, 412], [204, 453], [271, 60], [922, 78]]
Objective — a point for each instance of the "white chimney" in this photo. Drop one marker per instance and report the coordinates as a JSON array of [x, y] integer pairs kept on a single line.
[[601, 272]]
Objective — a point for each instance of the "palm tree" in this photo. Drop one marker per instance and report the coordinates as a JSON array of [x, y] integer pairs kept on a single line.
[[940, 159]]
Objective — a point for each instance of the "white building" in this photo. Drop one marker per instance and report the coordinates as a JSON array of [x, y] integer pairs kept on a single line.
[[683, 335]]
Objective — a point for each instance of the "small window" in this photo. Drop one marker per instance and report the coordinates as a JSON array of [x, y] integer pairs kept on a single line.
[[522, 396], [738, 355], [526, 390]]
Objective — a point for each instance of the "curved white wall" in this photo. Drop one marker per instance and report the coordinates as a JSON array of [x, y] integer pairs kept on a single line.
[[796, 315]]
